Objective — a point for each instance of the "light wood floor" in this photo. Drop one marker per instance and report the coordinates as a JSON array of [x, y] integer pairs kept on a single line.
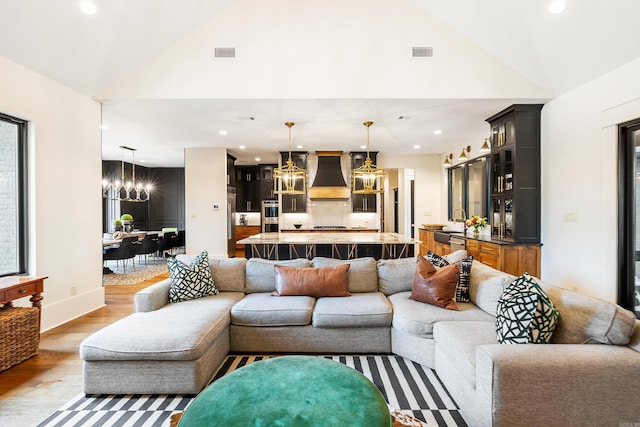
[[32, 390]]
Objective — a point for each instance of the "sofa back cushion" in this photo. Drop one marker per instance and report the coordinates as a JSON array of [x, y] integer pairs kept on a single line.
[[396, 275], [228, 273], [586, 320], [363, 272], [261, 274], [486, 285]]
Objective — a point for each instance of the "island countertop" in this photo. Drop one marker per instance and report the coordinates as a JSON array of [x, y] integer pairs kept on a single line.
[[327, 238], [283, 246]]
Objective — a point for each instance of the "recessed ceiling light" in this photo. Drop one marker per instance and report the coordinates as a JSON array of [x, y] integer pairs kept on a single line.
[[363, 147], [416, 146], [299, 146], [143, 161], [557, 6], [258, 159], [222, 132], [242, 147], [437, 132], [88, 8]]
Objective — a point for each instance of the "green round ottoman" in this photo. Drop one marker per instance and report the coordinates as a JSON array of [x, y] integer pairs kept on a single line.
[[290, 391]]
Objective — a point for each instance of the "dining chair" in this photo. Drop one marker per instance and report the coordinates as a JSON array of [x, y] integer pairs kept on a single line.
[[125, 251], [167, 243], [180, 241], [148, 245]]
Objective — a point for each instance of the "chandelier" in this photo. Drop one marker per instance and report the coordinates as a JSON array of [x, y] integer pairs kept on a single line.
[[126, 190], [367, 176], [289, 178]]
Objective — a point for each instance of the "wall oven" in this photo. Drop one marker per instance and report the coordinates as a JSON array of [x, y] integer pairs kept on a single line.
[[270, 216]]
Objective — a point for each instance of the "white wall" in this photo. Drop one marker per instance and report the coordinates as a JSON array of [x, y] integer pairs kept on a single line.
[[205, 171], [428, 197], [65, 212], [329, 49], [579, 176]]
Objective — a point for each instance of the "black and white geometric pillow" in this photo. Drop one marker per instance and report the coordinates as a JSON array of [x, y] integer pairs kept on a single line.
[[462, 289], [190, 281], [525, 313], [436, 260]]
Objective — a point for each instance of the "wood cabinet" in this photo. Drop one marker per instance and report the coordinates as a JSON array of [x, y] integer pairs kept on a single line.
[[295, 203], [362, 202], [515, 174], [244, 231], [512, 258], [428, 243]]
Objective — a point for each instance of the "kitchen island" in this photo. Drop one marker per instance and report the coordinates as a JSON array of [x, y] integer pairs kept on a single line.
[[284, 246]]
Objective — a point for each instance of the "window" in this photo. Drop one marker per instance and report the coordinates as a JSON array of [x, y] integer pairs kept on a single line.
[[629, 216], [468, 188], [13, 197]]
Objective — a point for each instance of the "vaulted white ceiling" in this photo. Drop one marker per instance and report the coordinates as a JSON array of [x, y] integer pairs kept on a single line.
[[328, 65]]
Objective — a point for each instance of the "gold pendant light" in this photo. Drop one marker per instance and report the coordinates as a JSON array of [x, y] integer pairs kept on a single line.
[[366, 178], [289, 178]]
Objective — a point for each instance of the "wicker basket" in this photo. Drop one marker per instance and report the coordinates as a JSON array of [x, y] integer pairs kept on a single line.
[[19, 335]]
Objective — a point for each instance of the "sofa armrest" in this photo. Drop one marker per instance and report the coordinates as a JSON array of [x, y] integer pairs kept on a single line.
[[557, 384], [153, 297]]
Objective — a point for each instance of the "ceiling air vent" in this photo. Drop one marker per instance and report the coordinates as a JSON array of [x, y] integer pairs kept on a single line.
[[224, 52], [422, 52]]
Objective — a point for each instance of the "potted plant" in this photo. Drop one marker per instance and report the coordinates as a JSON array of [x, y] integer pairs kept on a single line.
[[127, 222], [117, 225]]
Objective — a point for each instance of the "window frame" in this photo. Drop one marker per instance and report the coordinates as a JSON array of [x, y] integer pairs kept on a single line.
[[22, 196], [464, 167]]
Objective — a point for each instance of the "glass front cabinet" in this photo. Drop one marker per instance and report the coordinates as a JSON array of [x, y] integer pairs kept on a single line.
[[515, 173]]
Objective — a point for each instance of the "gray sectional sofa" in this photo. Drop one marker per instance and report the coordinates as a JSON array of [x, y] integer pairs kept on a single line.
[[589, 375]]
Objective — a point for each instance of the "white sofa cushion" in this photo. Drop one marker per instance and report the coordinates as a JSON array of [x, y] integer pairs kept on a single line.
[[396, 275], [228, 273], [486, 285], [363, 273], [458, 341], [261, 274], [418, 318], [358, 310], [585, 319], [264, 309]]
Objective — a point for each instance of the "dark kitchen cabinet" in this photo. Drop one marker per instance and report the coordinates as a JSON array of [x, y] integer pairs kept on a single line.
[[231, 171], [295, 203], [247, 189], [362, 202], [515, 173], [266, 182]]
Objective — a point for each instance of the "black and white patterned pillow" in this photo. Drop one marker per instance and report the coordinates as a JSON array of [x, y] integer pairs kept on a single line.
[[190, 281], [525, 313], [462, 289]]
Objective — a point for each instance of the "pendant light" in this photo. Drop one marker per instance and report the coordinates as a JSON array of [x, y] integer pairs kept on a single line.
[[366, 178], [126, 190], [289, 178]]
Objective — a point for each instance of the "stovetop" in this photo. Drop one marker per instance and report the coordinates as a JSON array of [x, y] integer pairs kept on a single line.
[[329, 227]]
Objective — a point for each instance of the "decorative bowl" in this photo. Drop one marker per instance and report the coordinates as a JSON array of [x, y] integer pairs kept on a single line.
[[297, 225], [433, 226]]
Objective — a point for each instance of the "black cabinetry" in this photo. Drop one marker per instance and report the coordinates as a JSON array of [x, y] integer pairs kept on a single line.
[[515, 173], [253, 184], [295, 203], [362, 202]]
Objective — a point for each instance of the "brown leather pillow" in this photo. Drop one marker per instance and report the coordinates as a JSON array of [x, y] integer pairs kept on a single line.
[[436, 287], [313, 282]]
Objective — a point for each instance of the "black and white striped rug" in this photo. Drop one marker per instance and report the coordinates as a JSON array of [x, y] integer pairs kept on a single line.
[[406, 386]]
